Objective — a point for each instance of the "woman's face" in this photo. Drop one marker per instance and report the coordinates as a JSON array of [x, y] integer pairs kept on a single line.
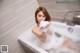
[[40, 16]]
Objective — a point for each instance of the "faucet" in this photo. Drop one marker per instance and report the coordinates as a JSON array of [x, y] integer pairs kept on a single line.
[[72, 18]]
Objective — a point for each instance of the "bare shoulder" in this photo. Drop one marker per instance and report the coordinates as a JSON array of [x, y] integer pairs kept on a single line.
[[36, 31], [34, 28]]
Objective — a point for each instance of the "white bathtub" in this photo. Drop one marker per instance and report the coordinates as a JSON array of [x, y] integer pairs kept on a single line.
[[62, 28]]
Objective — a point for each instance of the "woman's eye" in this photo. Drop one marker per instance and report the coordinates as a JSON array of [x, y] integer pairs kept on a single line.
[[43, 16], [39, 15]]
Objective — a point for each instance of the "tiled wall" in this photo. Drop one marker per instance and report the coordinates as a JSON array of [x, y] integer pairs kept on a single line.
[[58, 8], [16, 16]]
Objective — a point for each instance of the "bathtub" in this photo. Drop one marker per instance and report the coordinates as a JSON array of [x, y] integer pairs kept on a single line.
[[71, 32]]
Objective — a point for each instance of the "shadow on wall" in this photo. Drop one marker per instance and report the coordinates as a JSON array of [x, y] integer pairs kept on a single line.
[[1, 1]]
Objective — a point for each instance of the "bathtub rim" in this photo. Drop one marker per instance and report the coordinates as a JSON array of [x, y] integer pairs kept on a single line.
[[32, 47]]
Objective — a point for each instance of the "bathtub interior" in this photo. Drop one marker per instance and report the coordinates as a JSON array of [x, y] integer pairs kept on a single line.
[[71, 32], [67, 30]]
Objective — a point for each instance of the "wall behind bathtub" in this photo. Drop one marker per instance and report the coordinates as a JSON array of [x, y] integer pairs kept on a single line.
[[16, 16], [58, 8]]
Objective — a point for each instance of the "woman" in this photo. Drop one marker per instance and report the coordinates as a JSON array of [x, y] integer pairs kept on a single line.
[[40, 15]]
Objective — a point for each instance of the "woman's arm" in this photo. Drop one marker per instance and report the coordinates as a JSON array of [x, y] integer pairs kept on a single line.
[[40, 35]]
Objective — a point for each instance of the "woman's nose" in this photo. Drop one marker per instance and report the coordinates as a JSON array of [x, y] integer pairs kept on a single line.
[[42, 18]]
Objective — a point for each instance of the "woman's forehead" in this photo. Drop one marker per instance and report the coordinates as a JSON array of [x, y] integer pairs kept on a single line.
[[41, 13]]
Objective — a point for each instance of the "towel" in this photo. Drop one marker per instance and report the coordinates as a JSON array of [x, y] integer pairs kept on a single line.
[[43, 26]]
